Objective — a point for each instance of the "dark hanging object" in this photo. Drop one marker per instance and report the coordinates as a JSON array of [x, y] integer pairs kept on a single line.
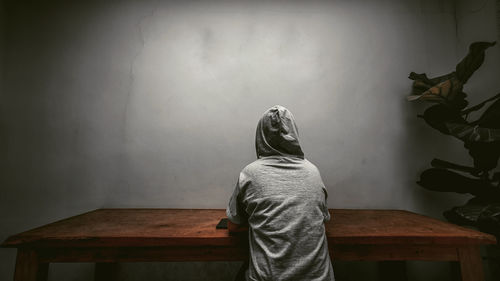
[[443, 180], [472, 61], [481, 138], [447, 89]]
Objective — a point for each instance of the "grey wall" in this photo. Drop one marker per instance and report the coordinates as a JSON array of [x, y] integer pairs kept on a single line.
[[155, 103]]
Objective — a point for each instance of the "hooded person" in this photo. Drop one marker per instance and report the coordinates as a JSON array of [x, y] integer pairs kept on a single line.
[[283, 199]]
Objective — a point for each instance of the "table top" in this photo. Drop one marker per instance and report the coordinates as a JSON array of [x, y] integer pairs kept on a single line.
[[196, 227]]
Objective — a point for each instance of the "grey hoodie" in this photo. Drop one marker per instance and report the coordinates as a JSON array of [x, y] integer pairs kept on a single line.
[[283, 198]]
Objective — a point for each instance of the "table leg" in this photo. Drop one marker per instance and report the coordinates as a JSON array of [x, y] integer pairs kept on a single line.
[[471, 264], [106, 271], [392, 271], [29, 268], [455, 271]]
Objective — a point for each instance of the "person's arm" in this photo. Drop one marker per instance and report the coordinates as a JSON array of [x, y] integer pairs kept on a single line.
[[235, 228], [326, 213], [237, 217]]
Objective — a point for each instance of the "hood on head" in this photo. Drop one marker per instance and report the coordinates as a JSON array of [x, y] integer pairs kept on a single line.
[[277, 134]]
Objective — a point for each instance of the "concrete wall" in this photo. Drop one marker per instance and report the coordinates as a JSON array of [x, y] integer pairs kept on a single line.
[[155, 104], [479, 21]]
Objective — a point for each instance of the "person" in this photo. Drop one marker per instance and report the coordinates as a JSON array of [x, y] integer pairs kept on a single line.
[[282, 200]]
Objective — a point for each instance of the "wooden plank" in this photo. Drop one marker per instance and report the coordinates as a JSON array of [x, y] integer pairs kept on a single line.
[[211, 253], [155, 235], [188, 227], [130, 227], [397, 227], [29, 267], [393, 253], [143, 254], [471, 264]]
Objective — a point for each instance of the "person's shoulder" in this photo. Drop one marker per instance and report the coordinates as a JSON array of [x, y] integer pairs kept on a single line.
[[309, 165], [314, 173], [253, 166], [250, 171]]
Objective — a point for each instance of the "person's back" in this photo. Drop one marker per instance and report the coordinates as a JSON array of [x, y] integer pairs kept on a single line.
[[283, 198]]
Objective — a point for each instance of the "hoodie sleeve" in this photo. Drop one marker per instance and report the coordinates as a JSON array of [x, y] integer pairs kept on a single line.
[[326, 213], [323, 204], [235, 210]]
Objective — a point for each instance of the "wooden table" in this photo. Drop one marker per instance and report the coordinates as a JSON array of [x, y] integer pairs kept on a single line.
[[107, 236]]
